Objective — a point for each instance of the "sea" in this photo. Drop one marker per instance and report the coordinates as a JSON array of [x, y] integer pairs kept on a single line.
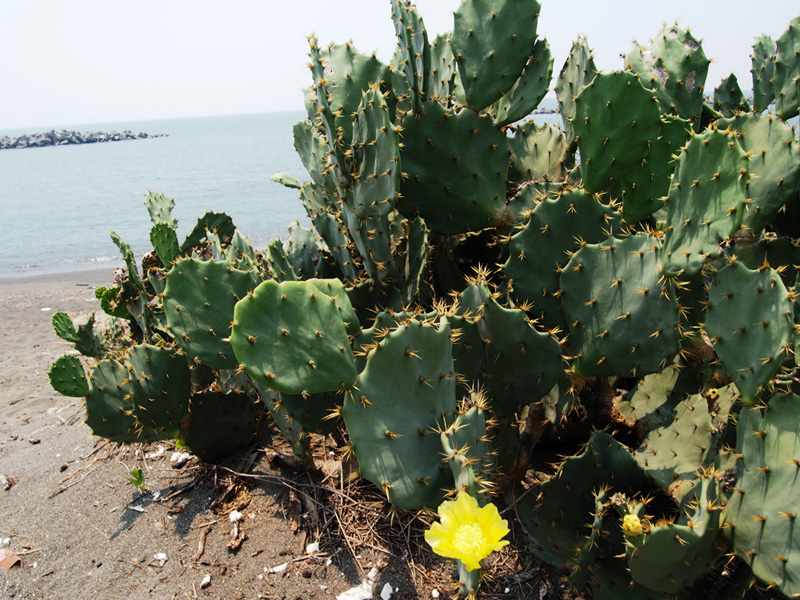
[[59, 203]]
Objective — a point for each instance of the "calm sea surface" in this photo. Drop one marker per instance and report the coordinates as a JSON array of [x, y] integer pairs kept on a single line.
[[58, 204]]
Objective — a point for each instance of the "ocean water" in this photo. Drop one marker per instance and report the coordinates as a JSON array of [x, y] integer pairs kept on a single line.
[[58, 204]]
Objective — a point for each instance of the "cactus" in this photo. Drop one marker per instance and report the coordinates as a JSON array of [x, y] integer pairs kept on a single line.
[[787, 71], [578, 71], [492, 42], [729, 98], [291, 338], [160, 383], [522, 364], [686, 440], [292, 431], [198, 302], [376, 157], [474, 288], [88, 341], [704, 208], [774, 166], [442, 74], [466, 451], [160, 208], [763, 71], [645, 187], [165, 243], [759, 518], [68, 377], [396, 411], [631, 111], [455, 166], [670, 556], [538, 152], [622, 317], [538, 253], [109, 405], [675, 67], [278, 262], [530, 88], [750, 321], [287, 179], [558, 520], [415, 51], [219, 423], [211, 222]]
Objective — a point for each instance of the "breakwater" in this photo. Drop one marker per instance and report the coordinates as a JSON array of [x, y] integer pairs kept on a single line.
[[64, 137]]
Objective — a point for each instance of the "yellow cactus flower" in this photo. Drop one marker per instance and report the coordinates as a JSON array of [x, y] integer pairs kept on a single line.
[[631, 525], [466, 531]]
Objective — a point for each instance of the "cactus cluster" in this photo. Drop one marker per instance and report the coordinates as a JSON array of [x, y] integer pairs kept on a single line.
[[472, 281]]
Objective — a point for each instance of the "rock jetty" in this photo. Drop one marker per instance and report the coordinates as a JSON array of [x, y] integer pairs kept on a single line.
[[64, 137]]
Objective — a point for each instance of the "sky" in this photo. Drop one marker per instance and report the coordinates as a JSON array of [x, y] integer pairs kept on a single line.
[[65, 62]]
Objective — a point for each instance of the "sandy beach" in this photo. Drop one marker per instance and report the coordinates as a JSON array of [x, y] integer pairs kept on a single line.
[[80, 529]]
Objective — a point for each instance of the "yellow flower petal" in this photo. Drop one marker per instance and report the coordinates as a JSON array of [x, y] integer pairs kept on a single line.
[[466, 531], [631, 525]]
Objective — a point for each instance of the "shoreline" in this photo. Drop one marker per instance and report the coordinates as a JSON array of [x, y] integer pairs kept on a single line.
[[79, 277]]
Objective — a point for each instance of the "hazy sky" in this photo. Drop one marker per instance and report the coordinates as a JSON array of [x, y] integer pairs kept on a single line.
[[65, 62]]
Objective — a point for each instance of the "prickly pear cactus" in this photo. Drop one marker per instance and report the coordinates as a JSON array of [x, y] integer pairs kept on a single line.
[[291, 338], [479, 283], [750, 320], [395, 413], [760, 516]]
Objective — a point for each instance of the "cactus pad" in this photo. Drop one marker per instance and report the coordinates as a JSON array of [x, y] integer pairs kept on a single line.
[[750, 320], [538, 253], [492, 41], [396, 410], [219, 423], [761, 513], [455, 167], [704, 208], [617, 121], [67, 376], [198, 303], [291, 337], [622, 317]]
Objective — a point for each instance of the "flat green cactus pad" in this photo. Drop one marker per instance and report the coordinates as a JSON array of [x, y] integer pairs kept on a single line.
[[290, 337], [762, 511], [394, 413], [67, 376]]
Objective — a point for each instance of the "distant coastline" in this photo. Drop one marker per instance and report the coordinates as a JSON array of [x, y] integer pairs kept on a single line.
[[64, 137]]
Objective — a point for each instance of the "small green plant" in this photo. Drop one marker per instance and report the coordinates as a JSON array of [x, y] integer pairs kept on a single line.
[[136, 479]]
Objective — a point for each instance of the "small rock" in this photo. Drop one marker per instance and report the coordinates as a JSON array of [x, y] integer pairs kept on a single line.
[[179, 459], [157, 453], [205, 581], [278, 569], [6, 482], [361, 592], [312, 548]]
